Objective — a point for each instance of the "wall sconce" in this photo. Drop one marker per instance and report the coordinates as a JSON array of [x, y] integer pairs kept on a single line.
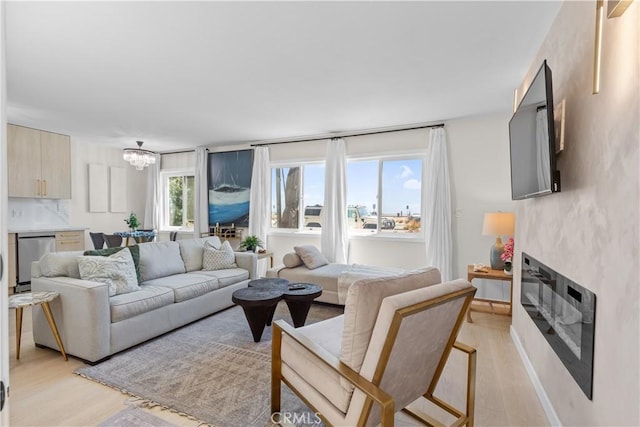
[[615, 8]]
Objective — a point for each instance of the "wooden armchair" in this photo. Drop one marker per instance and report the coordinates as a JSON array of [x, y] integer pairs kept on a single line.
[[388, 350]]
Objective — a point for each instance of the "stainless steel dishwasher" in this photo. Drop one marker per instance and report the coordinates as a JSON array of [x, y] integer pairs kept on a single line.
[[31, 247]]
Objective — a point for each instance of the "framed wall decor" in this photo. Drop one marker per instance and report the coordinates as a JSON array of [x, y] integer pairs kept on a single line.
[[230, 187]]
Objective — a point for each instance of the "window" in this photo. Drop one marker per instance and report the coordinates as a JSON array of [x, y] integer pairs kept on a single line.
[[384, 195], [178, 200], [296, 189]]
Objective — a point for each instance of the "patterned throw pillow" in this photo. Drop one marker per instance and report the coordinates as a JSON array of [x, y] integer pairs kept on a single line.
[[218, 259], [134, 250], [117, 271]]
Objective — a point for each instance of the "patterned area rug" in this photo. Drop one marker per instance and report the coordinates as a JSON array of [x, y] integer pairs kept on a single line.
[[211, 370], [134, 417]]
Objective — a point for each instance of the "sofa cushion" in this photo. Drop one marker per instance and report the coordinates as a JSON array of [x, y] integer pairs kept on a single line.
[[218, 258], [56, 264], [135, 254], [133, 304], [191, 251], [311, 256], [186, 286], [116, 270], [291, 260], [363, 303], [226, 277], [160, 259]]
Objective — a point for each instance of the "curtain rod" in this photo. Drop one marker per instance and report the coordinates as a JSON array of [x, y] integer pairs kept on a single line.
[[264, 144]]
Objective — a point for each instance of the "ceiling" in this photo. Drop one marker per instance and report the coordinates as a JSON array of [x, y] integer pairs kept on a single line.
[[180, 74]]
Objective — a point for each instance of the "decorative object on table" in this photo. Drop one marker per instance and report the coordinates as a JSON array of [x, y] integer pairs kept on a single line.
[[132, 222], [507, 256], [230, 187], [251, 243], [138, 157], [498, 224]]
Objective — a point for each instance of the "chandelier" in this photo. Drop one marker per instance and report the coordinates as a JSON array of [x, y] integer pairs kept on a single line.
[[138, 157]]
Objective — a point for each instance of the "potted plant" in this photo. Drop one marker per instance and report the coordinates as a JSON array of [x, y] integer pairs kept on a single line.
[[507, 256], [251, 243], [132, 222]]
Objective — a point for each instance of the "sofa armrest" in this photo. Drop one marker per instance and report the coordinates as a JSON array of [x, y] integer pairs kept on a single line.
[[275, 271], [82, 314], [248, 261]]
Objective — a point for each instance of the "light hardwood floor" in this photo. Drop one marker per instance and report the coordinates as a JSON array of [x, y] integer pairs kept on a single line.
[[45, 391]]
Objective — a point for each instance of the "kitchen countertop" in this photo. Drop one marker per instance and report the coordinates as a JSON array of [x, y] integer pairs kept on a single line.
[[46, 229]]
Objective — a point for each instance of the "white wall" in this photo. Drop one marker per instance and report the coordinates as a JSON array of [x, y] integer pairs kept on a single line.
[[84, 153], [589, 232], [479, 157]]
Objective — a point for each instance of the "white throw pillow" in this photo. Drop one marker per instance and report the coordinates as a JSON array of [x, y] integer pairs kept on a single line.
[[117, 270], [291, 260], [311, 256], [218, 259], [56, 264]]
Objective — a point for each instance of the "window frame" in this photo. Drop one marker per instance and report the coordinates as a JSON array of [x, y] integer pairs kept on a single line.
[[165, 175], [301, 204], [378, 233]]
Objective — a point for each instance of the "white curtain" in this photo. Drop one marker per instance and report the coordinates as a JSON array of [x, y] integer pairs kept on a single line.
[[437, 218], [542, 150], [154, 195], [334, 239], [260, 202], [201, 199]]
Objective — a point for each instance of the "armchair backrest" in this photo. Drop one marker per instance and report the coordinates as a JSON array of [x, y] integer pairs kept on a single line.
[[411, 341], [363, 303]]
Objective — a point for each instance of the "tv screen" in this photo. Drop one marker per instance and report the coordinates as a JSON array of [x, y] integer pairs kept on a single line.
[[532, 141]]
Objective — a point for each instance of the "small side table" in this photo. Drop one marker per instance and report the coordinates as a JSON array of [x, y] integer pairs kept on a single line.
[[22, 300], [266, 254], [490, 275]]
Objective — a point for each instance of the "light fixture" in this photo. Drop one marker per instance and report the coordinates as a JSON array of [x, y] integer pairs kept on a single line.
[[138, 157], [597, 51], [498, 224]]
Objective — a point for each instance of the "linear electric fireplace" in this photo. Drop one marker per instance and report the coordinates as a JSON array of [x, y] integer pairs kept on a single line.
[[565, 314]]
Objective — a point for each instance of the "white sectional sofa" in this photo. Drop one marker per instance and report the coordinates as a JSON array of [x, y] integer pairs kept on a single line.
[[174, 291]]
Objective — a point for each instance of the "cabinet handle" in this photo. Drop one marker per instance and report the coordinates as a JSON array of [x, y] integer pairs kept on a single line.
[[69, 242], [37, 187], [45, 187]]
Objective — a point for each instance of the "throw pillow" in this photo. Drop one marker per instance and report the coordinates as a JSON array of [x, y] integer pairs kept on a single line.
[[117, 271], [311, 256], [56, 264], [291, 260], [218, 259], [135, 254]]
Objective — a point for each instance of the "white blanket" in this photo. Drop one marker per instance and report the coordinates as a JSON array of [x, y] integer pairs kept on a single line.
[[358, 271]]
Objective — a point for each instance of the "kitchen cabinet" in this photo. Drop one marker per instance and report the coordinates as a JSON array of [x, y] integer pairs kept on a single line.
[[69, 241], [38, 163], [12, 263]]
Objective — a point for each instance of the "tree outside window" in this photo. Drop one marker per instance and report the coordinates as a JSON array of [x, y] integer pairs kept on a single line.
[[180, 201]]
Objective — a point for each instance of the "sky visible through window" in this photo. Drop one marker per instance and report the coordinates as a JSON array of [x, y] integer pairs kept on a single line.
[[401, 185]]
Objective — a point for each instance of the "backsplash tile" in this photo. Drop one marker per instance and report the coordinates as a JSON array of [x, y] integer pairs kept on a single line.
[[24, 212]]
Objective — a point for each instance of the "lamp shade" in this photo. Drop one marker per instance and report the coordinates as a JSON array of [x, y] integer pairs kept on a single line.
[[498, 224]]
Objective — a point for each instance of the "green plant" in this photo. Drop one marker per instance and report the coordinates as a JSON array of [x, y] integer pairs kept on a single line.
[[250, 243], [132, 221]]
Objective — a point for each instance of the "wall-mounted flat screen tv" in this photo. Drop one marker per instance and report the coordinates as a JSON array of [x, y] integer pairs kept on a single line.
[[532, 141]]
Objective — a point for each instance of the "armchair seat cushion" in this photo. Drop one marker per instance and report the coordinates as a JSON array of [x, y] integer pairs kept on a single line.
[[125, 306], [316, 374], [186, 286]]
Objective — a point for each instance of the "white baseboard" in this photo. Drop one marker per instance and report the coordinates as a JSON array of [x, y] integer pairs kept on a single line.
[[549, 411]]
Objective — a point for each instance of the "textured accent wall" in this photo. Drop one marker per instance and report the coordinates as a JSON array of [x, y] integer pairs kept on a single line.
[[589, 232]]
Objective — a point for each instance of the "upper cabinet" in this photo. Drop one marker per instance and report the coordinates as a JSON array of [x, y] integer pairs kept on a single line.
[[39, 163]]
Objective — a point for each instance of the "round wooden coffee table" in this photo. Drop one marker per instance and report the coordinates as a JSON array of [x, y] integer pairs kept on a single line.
[[299, 297], [259, 301]]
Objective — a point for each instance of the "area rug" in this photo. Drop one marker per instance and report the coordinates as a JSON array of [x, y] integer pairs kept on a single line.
[[134, 417], [211, 370]]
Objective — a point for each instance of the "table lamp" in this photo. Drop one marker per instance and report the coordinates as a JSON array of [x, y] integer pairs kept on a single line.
[[498, 224]]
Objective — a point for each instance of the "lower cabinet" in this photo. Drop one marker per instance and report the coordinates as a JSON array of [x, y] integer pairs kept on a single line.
[[69, 241]]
